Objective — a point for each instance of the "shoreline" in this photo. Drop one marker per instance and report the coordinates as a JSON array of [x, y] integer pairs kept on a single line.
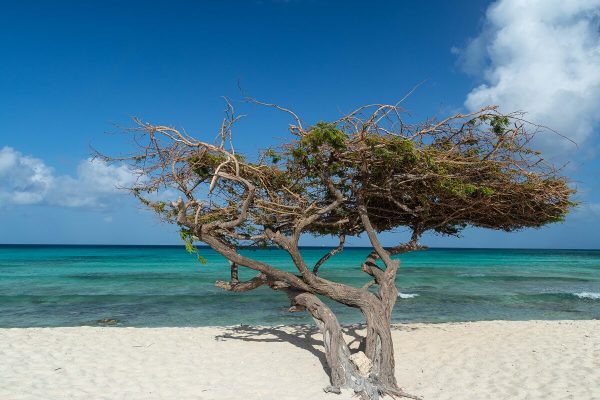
[[536, 359], [357, 325]]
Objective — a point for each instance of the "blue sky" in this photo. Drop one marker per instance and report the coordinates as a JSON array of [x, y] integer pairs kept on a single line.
[[72, 72]]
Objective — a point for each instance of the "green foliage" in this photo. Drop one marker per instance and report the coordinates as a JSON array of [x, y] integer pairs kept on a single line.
[[459, 188], [188, 240], [392, 148], [314, 152], [299, 153], [394, 154], [560, 217], [324, 133], [486, 191], [159, 206], [273, 155], [279, 179], [499, 124], [204, 164]]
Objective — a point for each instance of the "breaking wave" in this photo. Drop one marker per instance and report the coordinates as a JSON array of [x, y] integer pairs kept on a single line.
[[588, 295], [407, 295]]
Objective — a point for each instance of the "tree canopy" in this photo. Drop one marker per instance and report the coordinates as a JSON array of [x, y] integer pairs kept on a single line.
[[466, 170]]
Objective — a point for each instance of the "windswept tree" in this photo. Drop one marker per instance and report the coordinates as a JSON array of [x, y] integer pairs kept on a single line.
[[363, 174]]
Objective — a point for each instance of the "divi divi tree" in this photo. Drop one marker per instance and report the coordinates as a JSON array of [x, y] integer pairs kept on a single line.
[[366, 173]]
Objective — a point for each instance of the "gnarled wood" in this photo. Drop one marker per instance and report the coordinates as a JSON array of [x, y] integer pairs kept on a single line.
[[330, 254], [343, 372]]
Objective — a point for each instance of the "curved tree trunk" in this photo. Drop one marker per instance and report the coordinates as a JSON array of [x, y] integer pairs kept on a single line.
[[368, 383], [343, 371], [379, 347], [380, 325]]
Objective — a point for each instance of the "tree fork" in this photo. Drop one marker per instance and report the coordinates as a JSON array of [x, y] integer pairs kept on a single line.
[[343, 372]]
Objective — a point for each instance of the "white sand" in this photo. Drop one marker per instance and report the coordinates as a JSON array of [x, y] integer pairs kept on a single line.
[[497, 360]]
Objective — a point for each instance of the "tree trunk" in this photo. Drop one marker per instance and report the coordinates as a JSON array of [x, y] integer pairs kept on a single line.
[[379, 346], [343, 372]]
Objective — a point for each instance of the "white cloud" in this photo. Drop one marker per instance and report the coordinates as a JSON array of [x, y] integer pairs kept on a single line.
[[542, 57], [28, 180]]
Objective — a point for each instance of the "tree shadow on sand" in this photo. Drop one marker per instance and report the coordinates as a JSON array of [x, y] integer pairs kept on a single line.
[[305, 337]]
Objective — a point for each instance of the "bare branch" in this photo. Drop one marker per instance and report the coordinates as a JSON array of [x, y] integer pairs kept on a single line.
[[330, 253]]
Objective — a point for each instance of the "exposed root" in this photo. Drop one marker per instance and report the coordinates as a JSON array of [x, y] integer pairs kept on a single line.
[[381, 390], [399, 394], [332, 389], [410, 396]]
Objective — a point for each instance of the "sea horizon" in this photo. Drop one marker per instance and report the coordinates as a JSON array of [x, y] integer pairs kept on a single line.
[[300, 246], [45, 285]]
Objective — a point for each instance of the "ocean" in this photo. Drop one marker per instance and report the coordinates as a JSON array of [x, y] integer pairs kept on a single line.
[[150, 286]]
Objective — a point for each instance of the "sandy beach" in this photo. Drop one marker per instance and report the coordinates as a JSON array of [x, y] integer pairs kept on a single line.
[[480, 360]]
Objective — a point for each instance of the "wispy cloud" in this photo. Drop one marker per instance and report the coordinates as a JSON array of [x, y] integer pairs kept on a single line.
[[542, 57], [594, 208], [26, 180]]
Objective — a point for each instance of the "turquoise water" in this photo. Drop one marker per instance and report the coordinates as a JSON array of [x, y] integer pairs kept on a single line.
[[165, 286]]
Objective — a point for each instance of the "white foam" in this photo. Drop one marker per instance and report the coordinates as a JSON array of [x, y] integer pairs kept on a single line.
[[407, 295], [588, 295]]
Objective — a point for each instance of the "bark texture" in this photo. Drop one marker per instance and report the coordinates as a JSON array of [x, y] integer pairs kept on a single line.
[[343, 372]]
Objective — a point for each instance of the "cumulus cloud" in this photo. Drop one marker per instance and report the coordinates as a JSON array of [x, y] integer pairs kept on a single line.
[[28, 180], [542, 57]]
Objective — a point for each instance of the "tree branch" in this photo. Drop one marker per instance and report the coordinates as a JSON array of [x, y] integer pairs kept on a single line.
[[331, 253], [236, 286]]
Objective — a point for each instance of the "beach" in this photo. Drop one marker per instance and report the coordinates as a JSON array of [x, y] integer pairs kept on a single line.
[[476, 360], [177, 336]]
